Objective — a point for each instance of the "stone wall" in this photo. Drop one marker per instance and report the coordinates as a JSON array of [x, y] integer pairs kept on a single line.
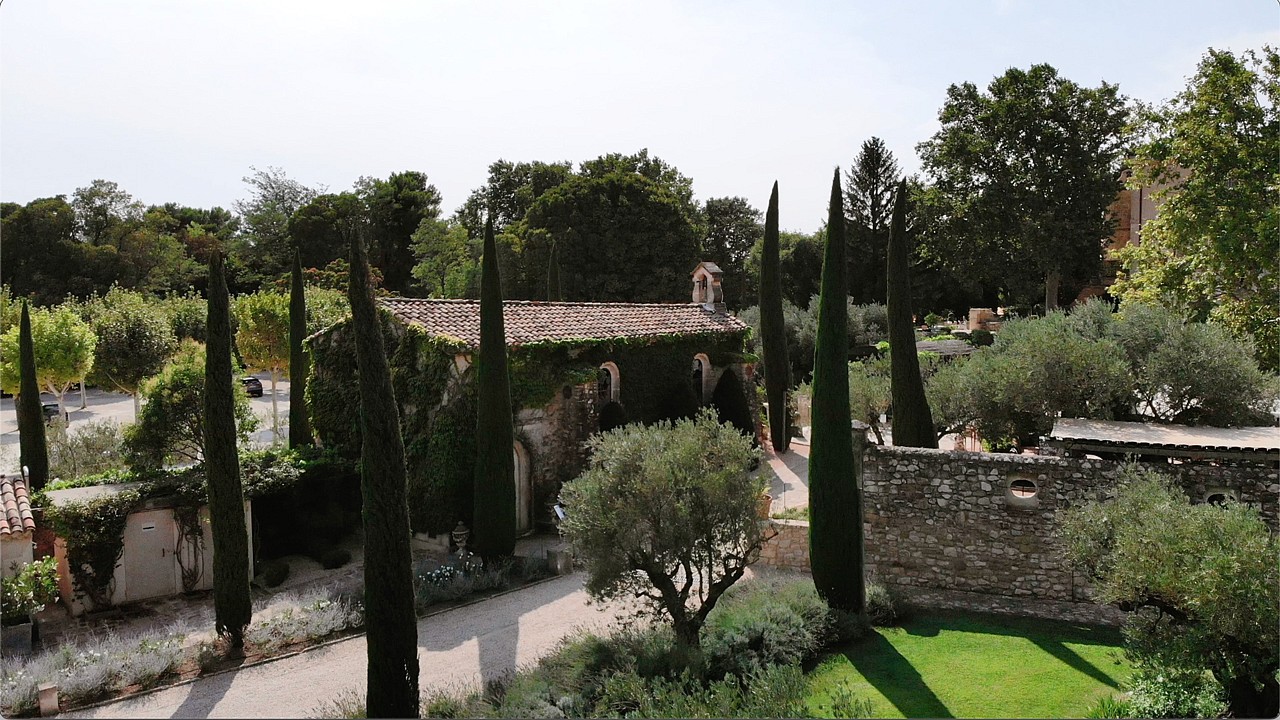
[[949, 520], [789, 547]]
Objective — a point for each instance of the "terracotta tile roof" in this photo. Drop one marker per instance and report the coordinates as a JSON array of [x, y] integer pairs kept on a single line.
[[1137, 436], [16, 517], [528, 322]]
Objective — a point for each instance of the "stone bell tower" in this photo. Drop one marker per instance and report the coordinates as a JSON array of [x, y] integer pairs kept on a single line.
[[706, 287]]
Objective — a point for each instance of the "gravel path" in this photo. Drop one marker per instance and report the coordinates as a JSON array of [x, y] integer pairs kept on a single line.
[[457, 647]]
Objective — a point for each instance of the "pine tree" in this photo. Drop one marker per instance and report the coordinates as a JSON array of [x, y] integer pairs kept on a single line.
[[232, 605], [390, 622], [299, 422], [494, 523], [773, 331], [33, 450], [835, 506], [554, 293], [912, 422]]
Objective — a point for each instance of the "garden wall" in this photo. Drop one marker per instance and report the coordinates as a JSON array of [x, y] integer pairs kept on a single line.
[[948, 520]]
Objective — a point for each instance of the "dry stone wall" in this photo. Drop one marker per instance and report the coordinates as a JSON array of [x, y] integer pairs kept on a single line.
[[956, 521]]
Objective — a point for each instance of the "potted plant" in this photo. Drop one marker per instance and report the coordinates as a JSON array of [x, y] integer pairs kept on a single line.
[[22, 595]]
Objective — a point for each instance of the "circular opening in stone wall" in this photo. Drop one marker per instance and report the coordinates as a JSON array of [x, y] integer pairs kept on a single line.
[[1022, 488]]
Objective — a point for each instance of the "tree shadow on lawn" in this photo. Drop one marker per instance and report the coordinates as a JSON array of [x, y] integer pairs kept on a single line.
[[1050, 636], [889, 672]]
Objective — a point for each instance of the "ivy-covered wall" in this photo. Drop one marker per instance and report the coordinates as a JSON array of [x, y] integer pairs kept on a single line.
[[557, 379]]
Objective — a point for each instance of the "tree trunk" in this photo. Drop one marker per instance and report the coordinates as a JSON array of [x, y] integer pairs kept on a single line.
[[688, 633], [1247, 701], [137, 406], [1052, 280], [84, 403]]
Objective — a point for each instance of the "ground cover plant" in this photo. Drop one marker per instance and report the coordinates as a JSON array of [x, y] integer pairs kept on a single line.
[[970, 665]]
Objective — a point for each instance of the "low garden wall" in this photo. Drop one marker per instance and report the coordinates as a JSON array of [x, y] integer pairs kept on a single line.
[[987, 523]]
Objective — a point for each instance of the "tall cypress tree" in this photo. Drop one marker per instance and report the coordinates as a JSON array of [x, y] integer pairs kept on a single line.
[[494, 523], [299, 422], [773, 331], [232, 605], [835, 507], [390, 622], [912, 422], [554, 293], [33, 450]]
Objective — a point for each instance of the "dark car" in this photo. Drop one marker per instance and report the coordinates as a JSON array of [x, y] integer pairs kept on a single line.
[[252, 385], [51, 412]]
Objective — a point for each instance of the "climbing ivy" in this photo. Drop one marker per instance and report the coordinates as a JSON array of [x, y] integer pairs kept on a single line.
[[437, 404]]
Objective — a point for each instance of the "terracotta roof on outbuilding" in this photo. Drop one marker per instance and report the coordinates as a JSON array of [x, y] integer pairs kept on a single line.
[[1176, 440], [17, 517], [529, 322]]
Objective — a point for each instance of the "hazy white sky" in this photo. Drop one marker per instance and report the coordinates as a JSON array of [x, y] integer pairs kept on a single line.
[[175, 100]]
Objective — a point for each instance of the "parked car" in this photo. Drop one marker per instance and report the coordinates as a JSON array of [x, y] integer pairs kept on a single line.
[[51, 412], [252, 385]]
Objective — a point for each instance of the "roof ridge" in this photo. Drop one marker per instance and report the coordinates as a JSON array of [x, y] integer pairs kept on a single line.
[[548, 303]]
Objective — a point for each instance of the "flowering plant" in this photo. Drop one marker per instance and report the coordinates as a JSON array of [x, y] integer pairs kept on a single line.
[[28, 591]]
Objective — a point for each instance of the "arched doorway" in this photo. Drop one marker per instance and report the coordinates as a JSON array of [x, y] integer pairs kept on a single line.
[[524, 489], [701, 367]]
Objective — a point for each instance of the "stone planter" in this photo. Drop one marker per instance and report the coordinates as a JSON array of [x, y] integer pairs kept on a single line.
[[16, 639], [764, 505]]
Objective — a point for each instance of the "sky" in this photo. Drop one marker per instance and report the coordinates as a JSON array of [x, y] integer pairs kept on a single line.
[[176, 100]]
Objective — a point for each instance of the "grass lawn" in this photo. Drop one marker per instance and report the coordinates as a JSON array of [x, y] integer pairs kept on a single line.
[[962, 665]]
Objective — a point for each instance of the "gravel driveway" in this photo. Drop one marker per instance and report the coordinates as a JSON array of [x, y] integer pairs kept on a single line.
[[457, 647]]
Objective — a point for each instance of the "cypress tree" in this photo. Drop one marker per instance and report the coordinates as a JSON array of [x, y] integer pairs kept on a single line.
[[232, 605], [299, 422], [773, 331], [494, 523], [912, 422], [554, 293], [835, 506], [33, 450], [390, 622]]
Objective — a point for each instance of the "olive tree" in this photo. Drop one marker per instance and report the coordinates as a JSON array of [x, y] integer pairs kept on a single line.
[[666, 513], [1202, 581], [64, 351]]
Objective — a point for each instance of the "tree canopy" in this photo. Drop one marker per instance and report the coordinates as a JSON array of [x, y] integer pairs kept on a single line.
[[64, 350], [1023, 174], [1210, 251]]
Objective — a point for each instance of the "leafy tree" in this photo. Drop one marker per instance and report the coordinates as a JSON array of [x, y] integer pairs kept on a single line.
[[63, 345], [232, 605], [101, 209], [443, 255], [733, 229], [273, 199], [773, 331], [510, 191], [494, 523], [800, 260], [171, 424], [1023, 176], [262, 337], [666, 514], [1201, 582], [912, 423], [40, 256], [33, 452], [134, 340], [318, 230], [187, 315], [392, 678], [299, 423], [395, 208], [870, 393], [868, 201], [1210, 251], [95, 447], [608, 228], [835, 505]]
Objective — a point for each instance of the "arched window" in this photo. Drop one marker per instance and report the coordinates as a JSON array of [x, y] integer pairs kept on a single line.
[[701, 368], [609, 382]]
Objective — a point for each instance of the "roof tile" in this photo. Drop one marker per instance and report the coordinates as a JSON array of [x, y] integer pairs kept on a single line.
[[528, 322], [16, 506]]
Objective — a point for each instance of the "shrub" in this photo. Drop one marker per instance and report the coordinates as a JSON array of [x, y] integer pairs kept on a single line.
[[1110, 707], [289, 619], [981, 338], [774, 692], [1163, 693], [35, 586], [274, 572], [764, 623], [150, 659], [880, 605], [95, 447], [844, 703], [335, 558]]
